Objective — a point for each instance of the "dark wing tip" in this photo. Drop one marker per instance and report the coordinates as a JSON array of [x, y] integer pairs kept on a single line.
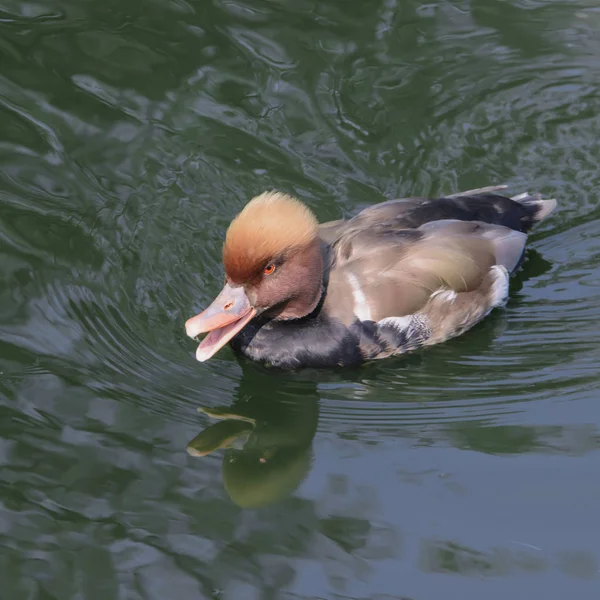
[[542, 207]]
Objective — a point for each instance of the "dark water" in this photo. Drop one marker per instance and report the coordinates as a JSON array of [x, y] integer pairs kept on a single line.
[[130, 134]]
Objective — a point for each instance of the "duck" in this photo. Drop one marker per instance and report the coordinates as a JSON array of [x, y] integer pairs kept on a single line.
[[398, 276]]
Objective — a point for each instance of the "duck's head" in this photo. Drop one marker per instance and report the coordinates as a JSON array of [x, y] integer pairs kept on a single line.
[[273, 264]]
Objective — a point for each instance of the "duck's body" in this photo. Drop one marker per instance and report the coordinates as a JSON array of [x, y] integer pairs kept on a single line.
[[399, 275]]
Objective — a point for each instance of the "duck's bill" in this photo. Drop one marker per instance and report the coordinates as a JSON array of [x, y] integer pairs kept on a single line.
[[229, 313], [224, 434]]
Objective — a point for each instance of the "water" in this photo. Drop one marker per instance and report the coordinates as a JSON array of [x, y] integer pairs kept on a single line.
[[130, 134]]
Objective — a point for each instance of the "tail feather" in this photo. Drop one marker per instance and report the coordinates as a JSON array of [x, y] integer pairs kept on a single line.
[[539, 207], [491, 205]]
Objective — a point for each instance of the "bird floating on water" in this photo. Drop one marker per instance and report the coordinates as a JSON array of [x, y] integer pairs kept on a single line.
[[398, 276]]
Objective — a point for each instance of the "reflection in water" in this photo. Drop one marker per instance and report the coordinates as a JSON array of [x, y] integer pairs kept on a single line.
[[267, 437]]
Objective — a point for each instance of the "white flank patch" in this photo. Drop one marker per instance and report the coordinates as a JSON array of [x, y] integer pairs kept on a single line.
[[445, 295], [398, 323], [361, 307], [499, 291]]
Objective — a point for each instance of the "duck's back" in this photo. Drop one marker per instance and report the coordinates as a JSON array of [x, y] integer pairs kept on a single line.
[[484, 205], [421, 271]]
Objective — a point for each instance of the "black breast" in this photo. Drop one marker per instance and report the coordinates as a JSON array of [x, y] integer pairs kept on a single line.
[[314, 341]]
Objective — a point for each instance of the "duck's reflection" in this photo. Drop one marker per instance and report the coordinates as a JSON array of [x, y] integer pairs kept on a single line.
[[267, 435], [267, 432]]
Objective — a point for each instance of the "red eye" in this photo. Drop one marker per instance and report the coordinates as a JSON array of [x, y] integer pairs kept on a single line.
[[269, 269]]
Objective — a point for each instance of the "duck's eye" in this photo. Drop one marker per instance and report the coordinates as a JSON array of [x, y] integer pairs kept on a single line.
[[270, 268]]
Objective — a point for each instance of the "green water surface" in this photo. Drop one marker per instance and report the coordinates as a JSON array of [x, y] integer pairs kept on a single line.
[[131, 133]]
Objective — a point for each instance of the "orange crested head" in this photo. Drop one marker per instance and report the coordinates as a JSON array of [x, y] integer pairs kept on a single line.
[[269, 227], [273, 258]]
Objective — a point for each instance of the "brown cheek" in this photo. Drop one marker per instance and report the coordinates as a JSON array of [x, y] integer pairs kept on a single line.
[[269, 293], [297, 281], [260, 294]]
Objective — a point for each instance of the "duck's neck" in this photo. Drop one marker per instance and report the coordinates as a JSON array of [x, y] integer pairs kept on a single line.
[[313, 288], [302, 307]]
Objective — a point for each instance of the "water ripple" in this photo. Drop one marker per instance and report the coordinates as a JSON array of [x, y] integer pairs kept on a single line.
[[131, 134]]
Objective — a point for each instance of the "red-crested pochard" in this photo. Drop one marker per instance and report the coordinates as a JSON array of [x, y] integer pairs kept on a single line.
[[398, 276]]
